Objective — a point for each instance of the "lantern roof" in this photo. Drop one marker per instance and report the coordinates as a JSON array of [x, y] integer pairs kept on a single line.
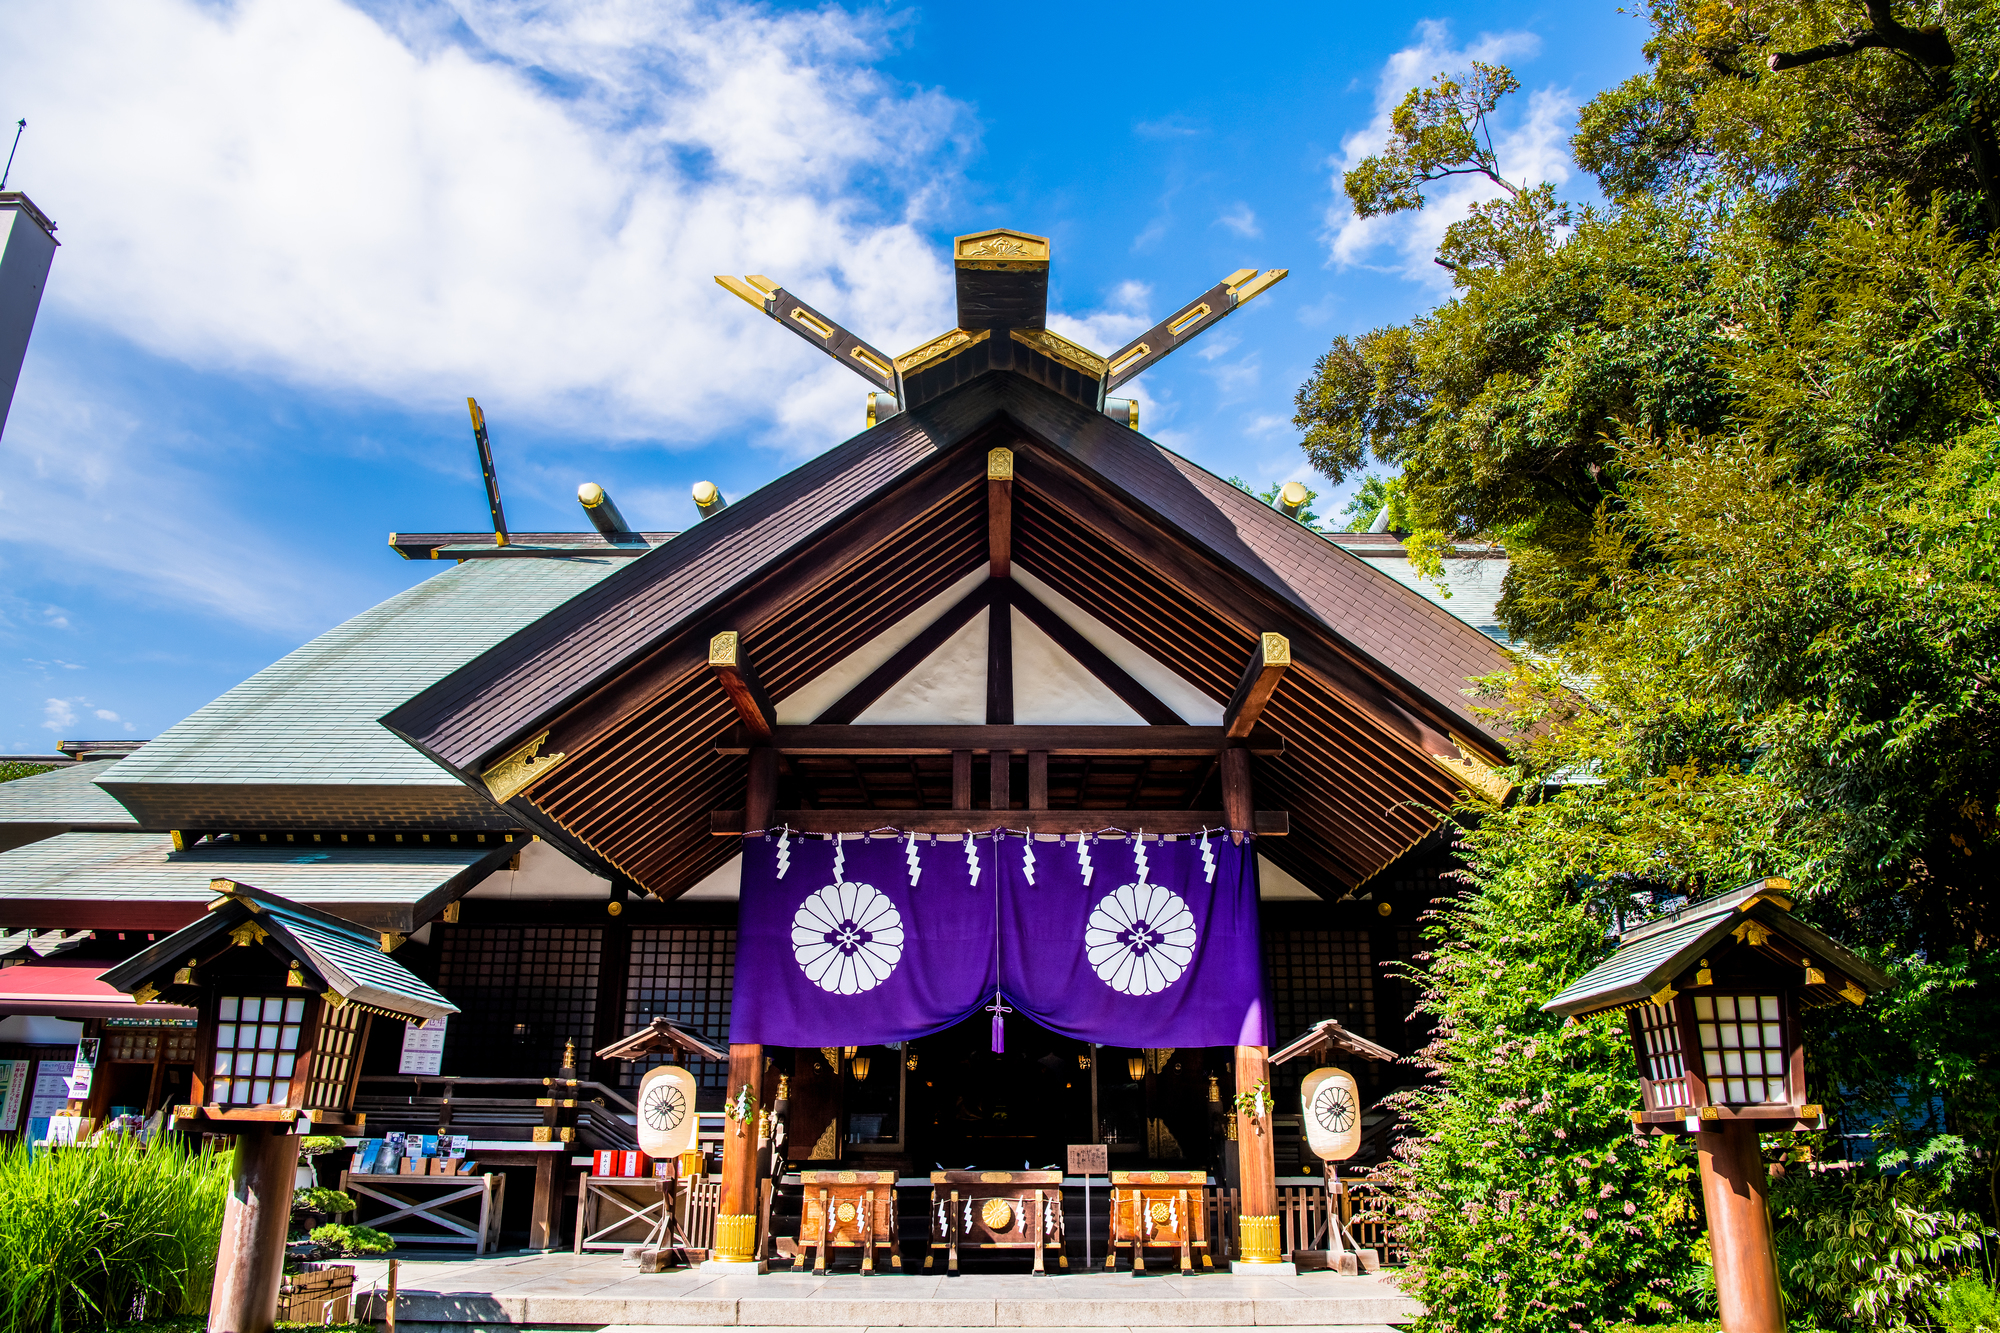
[[1328, 1035], [350, 961], [1651, 955], [656, 1036]]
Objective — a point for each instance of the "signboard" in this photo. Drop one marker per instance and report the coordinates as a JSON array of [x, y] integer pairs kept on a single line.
[[86, 1065], [51, 1091], [423, 1047], [1089, 1159], [13, 1093]]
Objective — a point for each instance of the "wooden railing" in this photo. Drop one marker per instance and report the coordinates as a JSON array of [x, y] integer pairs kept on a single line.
[[700, 1204], [1368, 1209]]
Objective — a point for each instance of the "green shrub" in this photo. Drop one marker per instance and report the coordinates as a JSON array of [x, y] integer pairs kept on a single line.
[[316, 1145], [92, 1236], [319, 1199], [352, 1240], [1969, 1306]]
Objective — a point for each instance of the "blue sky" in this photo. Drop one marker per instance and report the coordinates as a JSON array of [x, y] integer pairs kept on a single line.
[[297, 233]]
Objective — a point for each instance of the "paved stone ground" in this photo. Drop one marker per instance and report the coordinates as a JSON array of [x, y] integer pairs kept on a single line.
[[506, 1292]]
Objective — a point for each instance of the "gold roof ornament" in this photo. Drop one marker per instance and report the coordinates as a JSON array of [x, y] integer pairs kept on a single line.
[[1001, 248]]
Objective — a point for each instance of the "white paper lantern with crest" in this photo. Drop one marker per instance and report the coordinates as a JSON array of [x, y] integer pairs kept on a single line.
[[1331, 1100], [666, 1111]]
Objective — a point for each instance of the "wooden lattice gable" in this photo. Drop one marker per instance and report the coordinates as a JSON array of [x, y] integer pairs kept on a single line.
[[598, 723], [318, 951], [1667, 956]]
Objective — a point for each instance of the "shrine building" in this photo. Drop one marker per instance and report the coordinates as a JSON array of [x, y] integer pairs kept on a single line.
[[996, 781]]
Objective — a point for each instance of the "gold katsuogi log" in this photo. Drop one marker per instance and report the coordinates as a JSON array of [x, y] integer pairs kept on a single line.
[[851, 1208], [1159, 1209], [996, 1210]]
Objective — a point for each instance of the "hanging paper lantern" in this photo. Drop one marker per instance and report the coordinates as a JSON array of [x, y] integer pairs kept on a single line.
[[1332, 1103], [666, 1111]]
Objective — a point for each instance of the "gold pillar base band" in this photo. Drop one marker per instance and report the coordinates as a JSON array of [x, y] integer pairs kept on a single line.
[[1258, 1240], [736, 1238]]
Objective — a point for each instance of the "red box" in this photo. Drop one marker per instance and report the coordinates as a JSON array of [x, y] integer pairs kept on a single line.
[[611, 1162]]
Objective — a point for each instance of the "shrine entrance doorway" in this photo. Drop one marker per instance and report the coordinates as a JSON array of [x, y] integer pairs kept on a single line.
[[971, 1108]]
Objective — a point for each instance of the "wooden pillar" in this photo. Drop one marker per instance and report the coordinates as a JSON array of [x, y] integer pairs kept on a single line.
[[1257, 1167], [251, 1261], [1236, 794], [760, 797], [548, 1200], [736, 1220], [1735, 1188]]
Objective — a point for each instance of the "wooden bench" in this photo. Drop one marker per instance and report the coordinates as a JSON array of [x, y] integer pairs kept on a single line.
[[426, 1199]]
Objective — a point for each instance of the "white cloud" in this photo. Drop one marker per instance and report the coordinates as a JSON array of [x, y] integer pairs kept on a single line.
[[525, 202], [1532, 147], [105, 715], [1241, 221], [57, 713], [1120, 319]]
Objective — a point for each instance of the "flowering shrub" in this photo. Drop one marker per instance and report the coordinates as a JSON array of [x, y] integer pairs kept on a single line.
[[1529, 1204]]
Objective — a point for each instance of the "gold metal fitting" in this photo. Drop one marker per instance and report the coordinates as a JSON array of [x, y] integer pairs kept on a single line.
[[186, 976], [1704, 977], [295, 976], [736, 1238], [1258, 1237], [1000, 464]]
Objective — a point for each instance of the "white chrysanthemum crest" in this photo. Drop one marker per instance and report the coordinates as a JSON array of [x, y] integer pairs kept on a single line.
[[847, 938], [1140, 939]]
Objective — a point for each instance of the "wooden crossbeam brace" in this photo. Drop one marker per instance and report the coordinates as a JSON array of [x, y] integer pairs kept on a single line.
[[1264, 823], [731, 666], [1192, 319], [940, 738], [1259, 682], [870, 363]]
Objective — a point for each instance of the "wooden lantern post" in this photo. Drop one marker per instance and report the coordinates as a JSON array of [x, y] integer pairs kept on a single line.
[[285, 996], [1711, 994]]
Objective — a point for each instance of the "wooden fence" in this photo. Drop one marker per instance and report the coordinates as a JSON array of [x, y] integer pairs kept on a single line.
[[1367, 1208]]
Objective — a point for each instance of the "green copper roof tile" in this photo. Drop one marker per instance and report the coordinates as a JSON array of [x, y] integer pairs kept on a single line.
[[311, 717]]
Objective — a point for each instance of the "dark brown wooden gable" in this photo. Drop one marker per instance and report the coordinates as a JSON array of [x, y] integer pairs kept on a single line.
[[817, 564], [641, 772]]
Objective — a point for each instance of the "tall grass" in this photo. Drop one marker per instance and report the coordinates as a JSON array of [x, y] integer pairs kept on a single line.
[[94, 1236]]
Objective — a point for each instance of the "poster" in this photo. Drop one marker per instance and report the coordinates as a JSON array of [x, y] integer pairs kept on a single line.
[[86, 1065], [423, 1047], [51, 1092], [13, 1092]]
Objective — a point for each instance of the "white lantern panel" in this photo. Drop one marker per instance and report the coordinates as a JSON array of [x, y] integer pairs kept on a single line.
[[666, 1111], [1331, 1100]]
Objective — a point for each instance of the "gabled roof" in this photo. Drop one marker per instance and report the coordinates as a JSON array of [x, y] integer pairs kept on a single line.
[[42, 805], [343, 955], [809, 567], [298, 745], [1650, 956]]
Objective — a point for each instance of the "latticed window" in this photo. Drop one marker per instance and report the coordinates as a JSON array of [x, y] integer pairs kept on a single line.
[[683, 974], [1318, 974], [523, 992], [1666, 1074], [143, 1044], [1742, 1048], [333, 1056], [256, 1048]]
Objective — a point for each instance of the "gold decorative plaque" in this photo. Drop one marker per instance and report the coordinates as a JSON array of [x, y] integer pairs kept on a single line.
[[1160, 1214], [844, 1214], [997, 1214], [511, 776], [1001, 247]]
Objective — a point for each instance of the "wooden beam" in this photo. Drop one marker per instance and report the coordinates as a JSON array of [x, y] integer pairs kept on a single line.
[[1038, 779], [1236, 792], [961, 779], [1258, 683], [762, 789], [999, 663], [731, 665], [929, 639], [927, 738], [1265, 823], [1000, 793], [1089, 656], [1000, 509]]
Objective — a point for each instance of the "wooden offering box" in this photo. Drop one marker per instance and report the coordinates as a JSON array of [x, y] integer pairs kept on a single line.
[[851, 1208], [1160, 1209], [996, 1210]]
